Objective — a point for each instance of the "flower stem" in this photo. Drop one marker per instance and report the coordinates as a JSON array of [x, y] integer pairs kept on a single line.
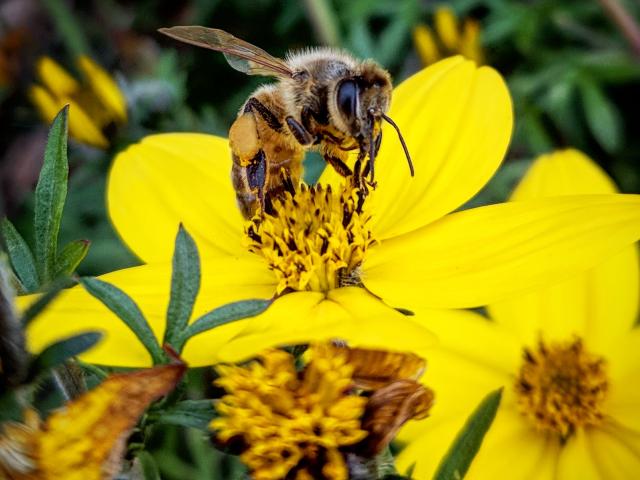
[[324, 22], [625, 22]]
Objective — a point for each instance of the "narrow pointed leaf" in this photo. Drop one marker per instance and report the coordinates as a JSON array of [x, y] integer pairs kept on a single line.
[[126, 309], [51, 193], [70, 257], [457, 460], [188, 413], [223, 315], [603, 118], [148, 466], [20, 256], [185, 283], [63, 350]]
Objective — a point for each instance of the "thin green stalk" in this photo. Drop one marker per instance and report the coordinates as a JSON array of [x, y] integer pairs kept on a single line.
[[625, 22], [324, 22], [67, 26]]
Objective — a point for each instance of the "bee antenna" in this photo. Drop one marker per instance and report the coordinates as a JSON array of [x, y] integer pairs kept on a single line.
[[404, 145]]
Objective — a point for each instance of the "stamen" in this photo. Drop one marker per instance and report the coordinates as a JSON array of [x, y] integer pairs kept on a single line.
[[313, 239], [561, 387]]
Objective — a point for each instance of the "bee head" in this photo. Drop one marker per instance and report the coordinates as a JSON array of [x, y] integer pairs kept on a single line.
[[360, 100], [361, 103]]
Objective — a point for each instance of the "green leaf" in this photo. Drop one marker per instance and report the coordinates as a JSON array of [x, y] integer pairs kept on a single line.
[[185, 283], [126, 309], [148, 465], [20, 256], [188, 413], [51, 192], [222, 315], [62, 350], [70, 257], [457, 460], [602, 116]]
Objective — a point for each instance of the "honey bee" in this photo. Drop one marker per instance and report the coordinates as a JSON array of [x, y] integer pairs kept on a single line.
[[324, 100]]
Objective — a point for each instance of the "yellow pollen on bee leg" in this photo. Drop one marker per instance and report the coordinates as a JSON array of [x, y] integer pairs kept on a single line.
[[561, 387], [314, 239]]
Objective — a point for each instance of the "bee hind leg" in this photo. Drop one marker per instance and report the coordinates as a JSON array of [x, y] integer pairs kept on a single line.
[[256, 176]]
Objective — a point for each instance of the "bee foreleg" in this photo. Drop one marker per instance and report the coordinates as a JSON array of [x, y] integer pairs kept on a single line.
[[373, 153], [257, 174], [300, 133], [339, 166]]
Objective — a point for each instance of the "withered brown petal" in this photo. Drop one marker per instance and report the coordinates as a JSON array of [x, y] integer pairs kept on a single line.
[[86, 439], [373, 369], [388, 409]]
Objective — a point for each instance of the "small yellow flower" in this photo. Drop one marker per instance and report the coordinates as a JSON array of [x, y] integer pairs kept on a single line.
[[85, 439], [291, 424], [448, 38], [568, 356], [95, 104], [404, 246]]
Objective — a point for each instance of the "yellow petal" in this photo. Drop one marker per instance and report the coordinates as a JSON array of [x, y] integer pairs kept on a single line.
[[623, 370], [171, 178], [349, 314], [105, 87], [483, 255], [564, 172], [456, 120], [599, 305], [82, 128], [74, 311], [447, 28], [47, 105], [470, 45], [615, 456], [425, 44], [577, 460], [56, 78], [473, 337], [509, 446], [513, 446], [425, 451]]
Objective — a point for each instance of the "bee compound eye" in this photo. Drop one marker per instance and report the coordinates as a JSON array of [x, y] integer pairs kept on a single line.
[[347, 98]]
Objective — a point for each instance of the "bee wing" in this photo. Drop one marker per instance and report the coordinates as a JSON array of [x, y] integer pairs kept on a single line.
[[241, 55]]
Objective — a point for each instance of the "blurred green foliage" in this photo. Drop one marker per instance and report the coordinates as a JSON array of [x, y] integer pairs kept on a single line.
[[573, 76]]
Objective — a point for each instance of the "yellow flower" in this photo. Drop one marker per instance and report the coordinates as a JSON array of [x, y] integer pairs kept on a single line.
[[456, 119], [290, 424], [85, 439], [95, 105], [568, 356], [448, 38]]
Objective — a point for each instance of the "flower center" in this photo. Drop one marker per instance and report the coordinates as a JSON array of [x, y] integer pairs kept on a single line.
[[561, 387], [313, 238]]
